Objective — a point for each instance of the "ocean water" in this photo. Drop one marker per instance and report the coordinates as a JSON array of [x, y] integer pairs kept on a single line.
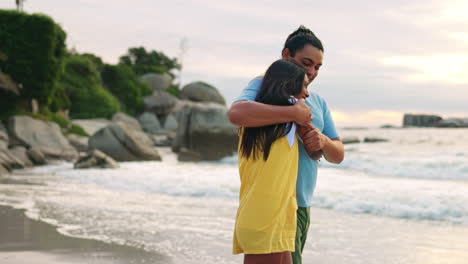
[[186, 210]]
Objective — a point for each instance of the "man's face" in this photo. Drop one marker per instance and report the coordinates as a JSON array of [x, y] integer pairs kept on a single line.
[[309, 57]]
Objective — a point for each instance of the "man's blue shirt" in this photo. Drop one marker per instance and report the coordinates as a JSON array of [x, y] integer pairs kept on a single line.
[[322, 119]]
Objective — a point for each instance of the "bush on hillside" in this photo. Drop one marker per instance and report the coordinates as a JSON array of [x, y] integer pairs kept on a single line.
[[82, 83], [122, 82]]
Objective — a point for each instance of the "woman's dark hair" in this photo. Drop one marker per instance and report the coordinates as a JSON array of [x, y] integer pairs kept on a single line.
[[282, 80], [299, 38]]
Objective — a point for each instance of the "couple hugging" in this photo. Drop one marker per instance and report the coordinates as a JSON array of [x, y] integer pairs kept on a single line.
[[284, 131]]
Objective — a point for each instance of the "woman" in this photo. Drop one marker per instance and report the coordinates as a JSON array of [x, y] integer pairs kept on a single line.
[[268, 160]]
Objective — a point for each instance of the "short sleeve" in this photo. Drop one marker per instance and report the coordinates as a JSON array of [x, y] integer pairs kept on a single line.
[[329, 128], [250, 92]]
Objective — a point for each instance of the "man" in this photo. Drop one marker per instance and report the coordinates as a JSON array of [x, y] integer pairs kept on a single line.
[[318, 132]]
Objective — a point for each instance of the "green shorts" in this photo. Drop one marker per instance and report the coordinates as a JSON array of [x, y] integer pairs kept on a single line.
[[303, 222]]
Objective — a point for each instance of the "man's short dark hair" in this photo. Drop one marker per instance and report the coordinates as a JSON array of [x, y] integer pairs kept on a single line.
[[299, 38]]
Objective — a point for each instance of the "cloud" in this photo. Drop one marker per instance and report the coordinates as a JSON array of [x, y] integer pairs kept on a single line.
[[407, 55], [455, 10], [446, 68]]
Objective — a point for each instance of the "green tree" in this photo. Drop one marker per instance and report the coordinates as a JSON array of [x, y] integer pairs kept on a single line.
[[142, 61], [33, 48], [122, 82]]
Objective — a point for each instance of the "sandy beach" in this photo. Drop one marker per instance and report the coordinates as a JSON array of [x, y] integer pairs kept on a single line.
[[23, 241], [183, 213], [333, 238]]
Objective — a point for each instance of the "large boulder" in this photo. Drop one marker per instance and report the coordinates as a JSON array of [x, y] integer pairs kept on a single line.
[[410, 120], [160, 102], [157, 81], [128, 120], [21, 153], [3, 170], [205, 132], [95, 159], [36, 156], [201, 92], [3, 137], [44, 135], [9, 161], [80, 143], [171, 123], [150, 123], [123, 143], [163, 140], [91, 126]]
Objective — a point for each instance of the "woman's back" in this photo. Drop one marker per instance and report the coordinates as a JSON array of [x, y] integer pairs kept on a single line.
[[266, 218]]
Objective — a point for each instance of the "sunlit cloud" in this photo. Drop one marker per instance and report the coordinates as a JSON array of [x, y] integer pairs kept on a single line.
[[463, 36], [456, 10], [448, 68], [369, 118]]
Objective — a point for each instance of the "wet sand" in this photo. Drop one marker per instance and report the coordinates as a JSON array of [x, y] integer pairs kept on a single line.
[[23, 241]]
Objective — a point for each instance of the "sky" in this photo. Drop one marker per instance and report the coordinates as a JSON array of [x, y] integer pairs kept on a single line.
[[382, 58]]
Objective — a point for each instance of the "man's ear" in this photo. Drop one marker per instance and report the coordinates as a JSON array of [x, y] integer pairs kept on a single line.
[[285, 53]]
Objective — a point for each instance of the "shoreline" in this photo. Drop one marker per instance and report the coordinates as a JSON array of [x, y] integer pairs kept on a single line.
[[24, 240]]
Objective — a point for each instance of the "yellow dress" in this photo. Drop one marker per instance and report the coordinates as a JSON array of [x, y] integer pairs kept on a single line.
[[266, 218]]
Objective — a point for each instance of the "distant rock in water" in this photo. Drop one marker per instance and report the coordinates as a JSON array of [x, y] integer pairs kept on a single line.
[[374, 139], [453, 122], [157, 81], [201, 92], [388, 126], [350, 140], [410, 120], [95, 159], [44, 135], [204, 132], [123, 143]]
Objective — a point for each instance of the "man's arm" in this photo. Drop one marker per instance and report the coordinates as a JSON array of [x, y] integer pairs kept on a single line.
[[333, 150], [255, 114]]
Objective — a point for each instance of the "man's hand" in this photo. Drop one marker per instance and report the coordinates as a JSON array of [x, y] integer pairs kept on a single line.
[[313, 140], [302, 131], [315, 155], [302, 115]]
